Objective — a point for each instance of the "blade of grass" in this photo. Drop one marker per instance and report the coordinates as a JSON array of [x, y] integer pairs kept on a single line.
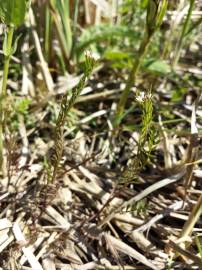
[[61, 17], [194, 26], [48, 27], [7, 55], [74, 37], [183, 34]]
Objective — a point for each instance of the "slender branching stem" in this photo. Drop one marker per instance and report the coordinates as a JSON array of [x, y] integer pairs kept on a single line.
[[7, 57], [65, 107]]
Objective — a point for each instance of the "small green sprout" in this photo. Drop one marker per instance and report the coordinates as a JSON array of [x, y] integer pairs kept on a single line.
[[65, 106]]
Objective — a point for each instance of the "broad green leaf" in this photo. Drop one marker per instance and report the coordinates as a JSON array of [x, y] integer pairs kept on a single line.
[[97, 34], [12, 12], [116, 55], [118, 59], [157, 66]]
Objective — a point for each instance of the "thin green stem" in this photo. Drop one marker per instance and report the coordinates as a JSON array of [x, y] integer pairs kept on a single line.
[[183, 34], [194, 26], [4, 86], [1, 145], [47, 41], [74, 36], [7, 59], [132, 77]]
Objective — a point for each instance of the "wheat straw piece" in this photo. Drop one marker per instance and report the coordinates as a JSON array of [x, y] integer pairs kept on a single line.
[[26, 250]]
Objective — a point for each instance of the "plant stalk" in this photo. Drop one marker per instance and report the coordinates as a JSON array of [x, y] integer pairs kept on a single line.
[[132, 77], [74, 35], [47, 38], [7, 60], [183, 34], [7, 57]]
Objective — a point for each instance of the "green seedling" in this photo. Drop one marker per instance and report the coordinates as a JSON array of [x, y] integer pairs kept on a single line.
[[66, 105], [155, 12], [147, 141], [12, 14]]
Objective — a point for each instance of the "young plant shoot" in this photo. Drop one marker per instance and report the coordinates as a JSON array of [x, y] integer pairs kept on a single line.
[[12, 14]]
